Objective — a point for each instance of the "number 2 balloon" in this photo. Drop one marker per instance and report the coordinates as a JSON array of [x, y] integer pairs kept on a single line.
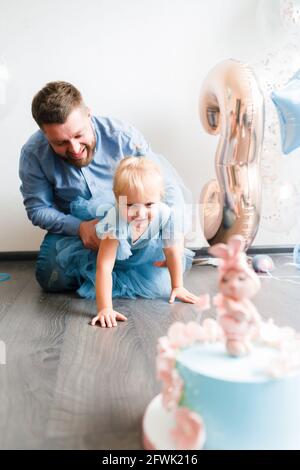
[[232, 105]]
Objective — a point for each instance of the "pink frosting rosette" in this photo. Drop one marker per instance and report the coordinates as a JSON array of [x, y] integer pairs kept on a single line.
[[189, 430]]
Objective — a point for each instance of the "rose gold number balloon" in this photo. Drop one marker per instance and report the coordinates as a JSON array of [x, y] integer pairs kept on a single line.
[[232, 105]]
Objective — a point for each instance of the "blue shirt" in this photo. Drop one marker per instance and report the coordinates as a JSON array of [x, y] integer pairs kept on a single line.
[[50, 184]]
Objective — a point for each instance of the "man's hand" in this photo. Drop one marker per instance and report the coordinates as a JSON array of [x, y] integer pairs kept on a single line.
[[183, 294], [160, 264], [88, 236], [107, 317]]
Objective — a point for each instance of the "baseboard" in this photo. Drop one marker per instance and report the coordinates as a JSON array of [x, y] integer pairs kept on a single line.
[[18, 255], [199, 252], [253, 250]]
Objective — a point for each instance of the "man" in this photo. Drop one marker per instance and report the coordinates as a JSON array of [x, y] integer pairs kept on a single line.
[[74, 154]]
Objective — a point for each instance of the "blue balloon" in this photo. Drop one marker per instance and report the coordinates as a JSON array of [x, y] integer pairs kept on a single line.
[[4, 277], [262, 263], [287, 102]]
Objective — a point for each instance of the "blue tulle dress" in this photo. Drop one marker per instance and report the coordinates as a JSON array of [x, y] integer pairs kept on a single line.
[[134, 274]]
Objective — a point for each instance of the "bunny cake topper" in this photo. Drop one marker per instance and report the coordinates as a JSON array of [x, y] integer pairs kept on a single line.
[[237, 316]]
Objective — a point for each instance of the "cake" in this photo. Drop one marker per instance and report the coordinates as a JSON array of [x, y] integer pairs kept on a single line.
[[227, 388]]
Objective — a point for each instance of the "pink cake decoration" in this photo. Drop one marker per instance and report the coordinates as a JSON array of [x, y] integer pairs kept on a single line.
[[189, 432], [237, 283]]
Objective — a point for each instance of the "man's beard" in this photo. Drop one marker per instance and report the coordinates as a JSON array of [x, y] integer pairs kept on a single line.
[[82, 162]]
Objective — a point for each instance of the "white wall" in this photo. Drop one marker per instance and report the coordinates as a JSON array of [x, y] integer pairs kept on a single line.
[[142, 61]]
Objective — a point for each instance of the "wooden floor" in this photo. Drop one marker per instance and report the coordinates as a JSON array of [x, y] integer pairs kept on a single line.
[[68, 385]]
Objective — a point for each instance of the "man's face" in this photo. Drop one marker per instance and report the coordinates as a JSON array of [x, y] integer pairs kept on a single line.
[[74, 141]]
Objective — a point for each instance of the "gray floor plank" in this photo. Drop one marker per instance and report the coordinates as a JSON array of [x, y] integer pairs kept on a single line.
[[32, 331], [99, 384], [21, 274]]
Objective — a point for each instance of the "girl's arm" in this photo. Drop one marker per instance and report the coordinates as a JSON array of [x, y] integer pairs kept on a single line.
[[106, 258], [105, 263], [173, 256]]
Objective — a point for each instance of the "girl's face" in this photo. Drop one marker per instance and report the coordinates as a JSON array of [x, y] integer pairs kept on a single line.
[[237, 285], [140, 209]]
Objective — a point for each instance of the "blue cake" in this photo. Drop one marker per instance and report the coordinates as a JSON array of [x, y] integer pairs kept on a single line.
[[242, 406], [232, 383], [248, 402]]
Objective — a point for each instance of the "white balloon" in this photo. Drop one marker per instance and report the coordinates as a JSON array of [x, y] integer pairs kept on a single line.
[[278, 19], [290, 14], [8, 90], [280, 206]]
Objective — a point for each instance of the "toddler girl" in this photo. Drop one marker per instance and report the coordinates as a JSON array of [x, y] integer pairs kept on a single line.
[[138, 235], [140, 226]]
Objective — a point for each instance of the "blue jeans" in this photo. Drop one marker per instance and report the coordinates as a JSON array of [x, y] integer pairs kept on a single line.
[[49, 274]]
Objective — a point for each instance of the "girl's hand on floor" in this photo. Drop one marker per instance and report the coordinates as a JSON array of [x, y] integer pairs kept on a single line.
[[183, 294], [107, 317]]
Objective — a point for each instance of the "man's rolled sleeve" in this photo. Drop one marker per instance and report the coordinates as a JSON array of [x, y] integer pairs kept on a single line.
[[71, 225]]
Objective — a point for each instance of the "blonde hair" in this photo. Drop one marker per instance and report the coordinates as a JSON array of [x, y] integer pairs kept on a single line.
[[136, 173]]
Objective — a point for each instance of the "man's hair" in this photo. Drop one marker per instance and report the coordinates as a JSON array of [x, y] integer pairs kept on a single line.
[[54, 102]]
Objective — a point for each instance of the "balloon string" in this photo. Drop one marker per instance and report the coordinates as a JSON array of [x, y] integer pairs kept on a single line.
[[282, 278]]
